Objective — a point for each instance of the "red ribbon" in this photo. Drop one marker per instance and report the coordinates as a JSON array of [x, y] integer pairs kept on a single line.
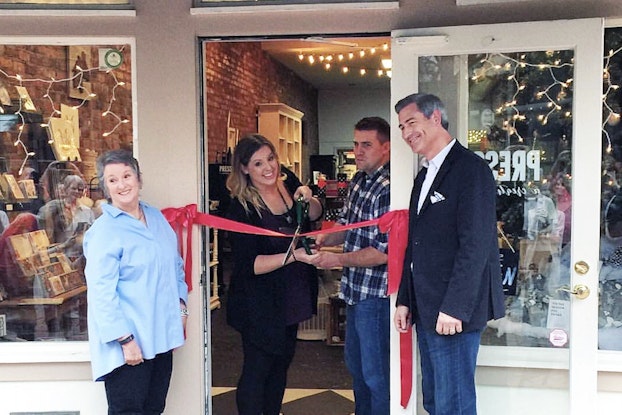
[[397, 226], [406, 367], [395, 223]]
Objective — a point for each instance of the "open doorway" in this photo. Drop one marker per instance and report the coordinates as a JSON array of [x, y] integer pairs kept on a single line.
[[327, 84]]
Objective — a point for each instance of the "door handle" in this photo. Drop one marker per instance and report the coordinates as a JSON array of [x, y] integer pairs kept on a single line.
[[580, 291]]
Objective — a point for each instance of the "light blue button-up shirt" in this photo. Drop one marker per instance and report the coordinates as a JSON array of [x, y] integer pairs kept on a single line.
[[135, 279]]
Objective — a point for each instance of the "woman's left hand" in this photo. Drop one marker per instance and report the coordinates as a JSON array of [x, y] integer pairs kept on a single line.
[[300, 254]]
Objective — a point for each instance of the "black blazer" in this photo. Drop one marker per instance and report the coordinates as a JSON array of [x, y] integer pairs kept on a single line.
[[453, 247]]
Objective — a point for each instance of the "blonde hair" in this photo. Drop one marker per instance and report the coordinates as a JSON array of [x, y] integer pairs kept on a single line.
[[238, 182]]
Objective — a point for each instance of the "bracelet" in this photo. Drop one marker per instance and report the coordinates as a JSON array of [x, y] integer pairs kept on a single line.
[[126, 340], [184, 312]]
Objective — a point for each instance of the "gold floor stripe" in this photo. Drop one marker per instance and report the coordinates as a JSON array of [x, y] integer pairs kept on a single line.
[[293, 394], [219, 390]]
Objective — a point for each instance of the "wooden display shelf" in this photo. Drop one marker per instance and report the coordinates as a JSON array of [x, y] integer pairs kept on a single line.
[[282, 125]]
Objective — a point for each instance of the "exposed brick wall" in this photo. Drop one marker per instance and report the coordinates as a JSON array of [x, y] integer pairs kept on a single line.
[[238, 76], [39, 65]]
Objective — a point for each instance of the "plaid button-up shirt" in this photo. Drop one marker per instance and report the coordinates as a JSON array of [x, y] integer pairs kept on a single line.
[[368, 198]]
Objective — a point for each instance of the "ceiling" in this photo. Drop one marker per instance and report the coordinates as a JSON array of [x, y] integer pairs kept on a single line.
[[287, 52]]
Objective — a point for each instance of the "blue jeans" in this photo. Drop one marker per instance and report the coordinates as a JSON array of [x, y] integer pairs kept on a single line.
[[448, 371], [367, 354]]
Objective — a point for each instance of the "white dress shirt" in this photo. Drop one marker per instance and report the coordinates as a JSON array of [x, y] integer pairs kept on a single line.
[[433, 167]]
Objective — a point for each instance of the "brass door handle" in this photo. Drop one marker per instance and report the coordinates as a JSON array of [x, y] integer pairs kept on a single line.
[[580, 291]]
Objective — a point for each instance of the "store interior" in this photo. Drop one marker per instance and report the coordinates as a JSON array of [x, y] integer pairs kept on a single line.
[[318, 376]]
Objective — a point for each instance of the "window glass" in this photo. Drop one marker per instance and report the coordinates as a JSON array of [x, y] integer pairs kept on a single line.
[[520, 122], [60, 107], [610, 276], [212, 3], [67, 2]]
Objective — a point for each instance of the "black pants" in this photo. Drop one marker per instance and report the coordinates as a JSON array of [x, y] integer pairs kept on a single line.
[[264, 376], [141, 389]]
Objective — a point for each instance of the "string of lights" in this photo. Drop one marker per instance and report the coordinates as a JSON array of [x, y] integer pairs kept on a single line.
[[611, 114], [77, 78], [345, 62], [113, 99], [512, 67]]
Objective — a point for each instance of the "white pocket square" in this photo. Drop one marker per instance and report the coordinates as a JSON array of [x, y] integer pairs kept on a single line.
[[436, 197]]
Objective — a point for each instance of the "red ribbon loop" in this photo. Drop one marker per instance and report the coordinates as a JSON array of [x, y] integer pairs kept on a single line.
[[182, 219], [395, 223]]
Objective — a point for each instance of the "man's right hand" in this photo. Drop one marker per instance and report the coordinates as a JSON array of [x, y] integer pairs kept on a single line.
[[327, 260], [402, 319]]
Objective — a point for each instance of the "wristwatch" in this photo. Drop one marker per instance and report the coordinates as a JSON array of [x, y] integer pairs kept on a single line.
[[126, 340], [184, 312]]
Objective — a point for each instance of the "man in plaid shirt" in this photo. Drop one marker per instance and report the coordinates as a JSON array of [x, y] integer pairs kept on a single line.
[[364, 262]]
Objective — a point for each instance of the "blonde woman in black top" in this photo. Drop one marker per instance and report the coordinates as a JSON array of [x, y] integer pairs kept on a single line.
[[269, 293]]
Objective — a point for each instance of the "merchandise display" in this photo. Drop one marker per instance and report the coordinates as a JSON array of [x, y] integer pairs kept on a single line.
[[37, 258]]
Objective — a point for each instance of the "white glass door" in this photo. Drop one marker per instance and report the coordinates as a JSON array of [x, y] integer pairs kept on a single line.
[[527, 98]]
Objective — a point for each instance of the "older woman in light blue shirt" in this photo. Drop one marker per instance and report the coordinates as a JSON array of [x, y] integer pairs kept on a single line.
[[136, 292]]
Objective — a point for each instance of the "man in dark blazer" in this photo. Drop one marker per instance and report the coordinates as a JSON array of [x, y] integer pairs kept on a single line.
[[451, 284]]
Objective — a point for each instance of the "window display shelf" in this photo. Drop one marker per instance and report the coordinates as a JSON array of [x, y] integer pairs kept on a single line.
[[214, 301]]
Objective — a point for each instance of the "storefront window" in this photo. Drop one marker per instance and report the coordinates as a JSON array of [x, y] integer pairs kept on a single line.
[[610, 277], [72, 3], [60, 107], [520, 122], [289, 3]]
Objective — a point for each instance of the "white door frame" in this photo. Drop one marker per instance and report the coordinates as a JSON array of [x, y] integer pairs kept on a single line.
[[585, 37]]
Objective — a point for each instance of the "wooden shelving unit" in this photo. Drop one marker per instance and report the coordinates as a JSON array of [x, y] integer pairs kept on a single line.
[[282, 125], [214, 301]]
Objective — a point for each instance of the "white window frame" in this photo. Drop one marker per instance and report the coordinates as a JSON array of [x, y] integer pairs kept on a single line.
[[245, 6], [65, 351], [67, 8]]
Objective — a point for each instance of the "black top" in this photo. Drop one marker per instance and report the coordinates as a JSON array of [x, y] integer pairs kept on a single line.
[[261, 306]]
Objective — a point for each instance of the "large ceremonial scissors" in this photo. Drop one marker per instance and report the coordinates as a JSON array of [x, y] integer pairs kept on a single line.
[[302, 212]]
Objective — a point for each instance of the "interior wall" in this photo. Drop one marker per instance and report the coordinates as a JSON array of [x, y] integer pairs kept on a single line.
[[339, 110], [239, 76]]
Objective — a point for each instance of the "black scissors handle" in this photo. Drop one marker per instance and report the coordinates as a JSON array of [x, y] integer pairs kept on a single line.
[[302, 213]]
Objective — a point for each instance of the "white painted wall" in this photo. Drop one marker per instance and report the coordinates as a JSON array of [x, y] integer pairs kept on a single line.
[[339, 110], [167, 126]]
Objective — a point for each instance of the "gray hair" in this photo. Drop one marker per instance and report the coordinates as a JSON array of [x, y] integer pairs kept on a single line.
[[427, 104], [115, 157], [71, 179]]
